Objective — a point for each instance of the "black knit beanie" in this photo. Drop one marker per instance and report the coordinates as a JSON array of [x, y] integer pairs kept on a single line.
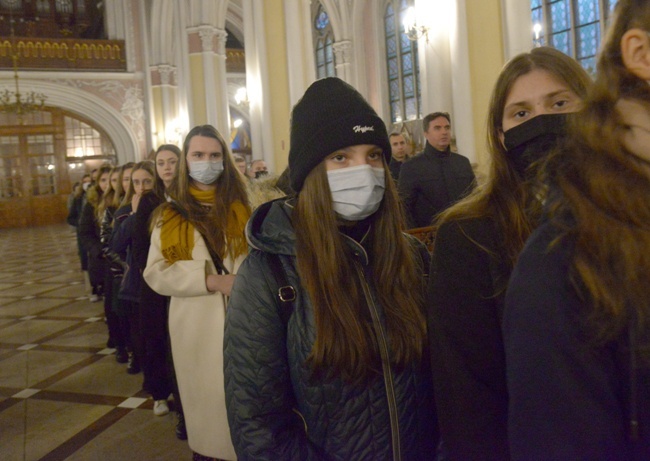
[[331, 115]]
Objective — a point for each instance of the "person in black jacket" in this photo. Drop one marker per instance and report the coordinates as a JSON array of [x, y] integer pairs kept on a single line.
[[337, 370], [577, 317], [436, 178], [476, 246], [156, 366], [89, 227], [142, 181], [401, 150]]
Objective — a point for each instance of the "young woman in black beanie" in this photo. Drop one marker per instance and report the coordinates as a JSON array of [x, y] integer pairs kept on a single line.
[[333, 367]]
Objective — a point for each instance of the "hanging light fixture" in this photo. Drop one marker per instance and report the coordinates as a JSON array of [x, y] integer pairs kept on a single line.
[[14, 102], [412, 30], [241, 97]]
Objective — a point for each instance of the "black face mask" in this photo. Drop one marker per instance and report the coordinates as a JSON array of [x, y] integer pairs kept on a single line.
[[531, 141]]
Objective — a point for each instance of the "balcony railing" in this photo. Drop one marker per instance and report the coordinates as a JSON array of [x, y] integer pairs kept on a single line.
[[63, 54], [235, 60]]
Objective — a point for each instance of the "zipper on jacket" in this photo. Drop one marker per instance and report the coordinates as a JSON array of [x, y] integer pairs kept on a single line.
[[385, 364]]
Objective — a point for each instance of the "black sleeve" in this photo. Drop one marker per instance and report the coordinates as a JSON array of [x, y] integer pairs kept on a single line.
[[566, 398], [259, 393], [466, 346], [89, 231], [141, 239], [74, 212]]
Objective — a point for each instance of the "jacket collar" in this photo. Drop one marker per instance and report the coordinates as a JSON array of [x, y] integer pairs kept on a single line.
[[270, 229], [432, 151]]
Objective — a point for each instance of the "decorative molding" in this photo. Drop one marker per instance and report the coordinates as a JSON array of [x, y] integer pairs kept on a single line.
[[221, 35], [167, 74], [130, 37], [207, 35], [343, 51], [132, 98], [94, 107]]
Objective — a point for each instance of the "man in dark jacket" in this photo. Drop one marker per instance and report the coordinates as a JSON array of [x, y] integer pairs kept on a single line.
[[437, 178], [400, 153]]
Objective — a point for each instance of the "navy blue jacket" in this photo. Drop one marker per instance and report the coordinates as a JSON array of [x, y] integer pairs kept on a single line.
[[569, 400], [121, 242]]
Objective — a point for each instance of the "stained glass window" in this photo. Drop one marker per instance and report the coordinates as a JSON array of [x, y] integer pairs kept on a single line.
[[574, 27], [323, 33], [402, 64]]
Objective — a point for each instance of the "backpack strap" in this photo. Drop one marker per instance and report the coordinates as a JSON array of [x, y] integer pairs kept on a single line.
[[285, 293]]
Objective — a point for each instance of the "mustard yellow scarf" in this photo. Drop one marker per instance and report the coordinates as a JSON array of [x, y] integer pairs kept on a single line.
[[177, 233]]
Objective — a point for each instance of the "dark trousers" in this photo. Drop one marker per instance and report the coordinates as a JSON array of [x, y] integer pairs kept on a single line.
[[153, 327], [112, 320], [129, 315]]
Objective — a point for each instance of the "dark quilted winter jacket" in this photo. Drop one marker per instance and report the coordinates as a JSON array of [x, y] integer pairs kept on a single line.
[[275, 411]]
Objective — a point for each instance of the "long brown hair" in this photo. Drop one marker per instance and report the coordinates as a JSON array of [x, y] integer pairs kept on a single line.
[[345, 343], [506, 197], [605, 190], [95, 193], [119, 190], [109, 195], [159, 185], [146, 165], [211, 222]]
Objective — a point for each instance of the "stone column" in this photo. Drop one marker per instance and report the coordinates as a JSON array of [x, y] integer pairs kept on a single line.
[[343, 57]]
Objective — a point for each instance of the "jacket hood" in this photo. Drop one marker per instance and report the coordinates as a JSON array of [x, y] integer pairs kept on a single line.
[[269, 228]]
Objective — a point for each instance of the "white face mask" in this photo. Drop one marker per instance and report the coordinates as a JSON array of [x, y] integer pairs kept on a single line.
[[205, 172], [357, 191]]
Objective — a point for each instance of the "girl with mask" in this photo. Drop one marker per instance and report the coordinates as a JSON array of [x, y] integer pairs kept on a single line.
[[197, 246], [325, 330], [577, 317], [477, 244]]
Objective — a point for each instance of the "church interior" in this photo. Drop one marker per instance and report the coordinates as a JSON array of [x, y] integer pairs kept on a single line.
[[84, 82]]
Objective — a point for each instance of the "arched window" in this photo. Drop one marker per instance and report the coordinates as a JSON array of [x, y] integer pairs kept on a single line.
[[574, 27], [322, 33], [402, 65]]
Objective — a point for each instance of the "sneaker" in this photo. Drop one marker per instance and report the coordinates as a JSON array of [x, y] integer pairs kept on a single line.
[[133, 368], [160, 408]]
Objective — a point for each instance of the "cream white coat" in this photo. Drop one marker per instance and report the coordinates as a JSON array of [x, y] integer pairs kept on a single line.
[[196, 328]]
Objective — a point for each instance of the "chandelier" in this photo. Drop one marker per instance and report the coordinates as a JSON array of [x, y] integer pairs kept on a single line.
[[14, 102], [412, 30]]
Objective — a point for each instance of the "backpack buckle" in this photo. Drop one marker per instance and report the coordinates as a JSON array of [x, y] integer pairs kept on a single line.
[[287, 294]]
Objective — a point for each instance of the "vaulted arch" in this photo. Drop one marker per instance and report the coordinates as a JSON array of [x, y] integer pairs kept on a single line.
[[123, 135]]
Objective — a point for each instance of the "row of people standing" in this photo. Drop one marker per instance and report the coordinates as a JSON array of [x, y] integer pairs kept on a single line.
[[325, 334], [114, 233]]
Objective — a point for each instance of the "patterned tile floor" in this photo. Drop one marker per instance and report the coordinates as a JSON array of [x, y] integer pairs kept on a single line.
[[62, 394]]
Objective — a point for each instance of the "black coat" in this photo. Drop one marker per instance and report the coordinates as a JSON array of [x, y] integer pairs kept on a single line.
[[275, 410], [466, 298], [569, 399], [432, 181], [88, 232]]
